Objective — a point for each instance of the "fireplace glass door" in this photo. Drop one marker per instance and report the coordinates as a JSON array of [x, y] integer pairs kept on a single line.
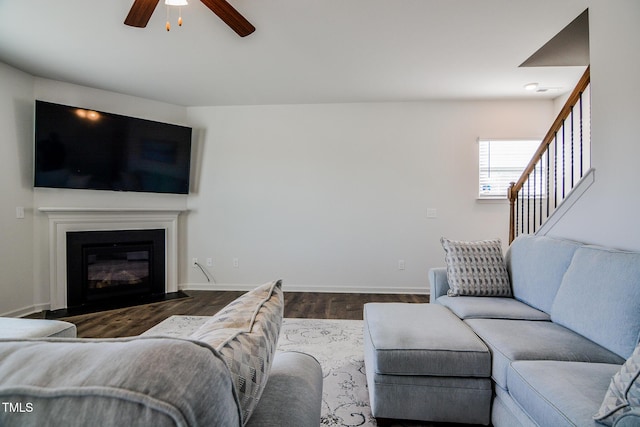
[[115, 266], [121, 269]]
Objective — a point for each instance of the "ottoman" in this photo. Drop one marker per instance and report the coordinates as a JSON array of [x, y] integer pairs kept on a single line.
[[11, 327], [423, 363]]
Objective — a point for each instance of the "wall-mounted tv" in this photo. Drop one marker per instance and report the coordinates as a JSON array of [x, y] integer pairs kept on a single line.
[[88, 149]]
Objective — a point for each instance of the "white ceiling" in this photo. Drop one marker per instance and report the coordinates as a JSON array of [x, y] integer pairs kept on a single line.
[[303, 51]]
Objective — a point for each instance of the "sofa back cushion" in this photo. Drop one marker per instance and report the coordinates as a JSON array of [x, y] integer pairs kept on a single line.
[[600, 298], [162, 382], [245, 333], [536, 265]]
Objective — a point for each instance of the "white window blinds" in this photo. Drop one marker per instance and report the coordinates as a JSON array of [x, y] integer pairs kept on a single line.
[[502, 162]]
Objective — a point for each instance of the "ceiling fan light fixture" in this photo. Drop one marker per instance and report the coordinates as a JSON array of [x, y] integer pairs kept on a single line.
[[141, 12], [531, 86], [178, 4]]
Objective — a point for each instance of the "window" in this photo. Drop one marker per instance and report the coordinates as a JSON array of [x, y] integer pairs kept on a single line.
[[502, 162]]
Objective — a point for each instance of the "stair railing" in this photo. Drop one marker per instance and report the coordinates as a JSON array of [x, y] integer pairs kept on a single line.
[[561, 160]]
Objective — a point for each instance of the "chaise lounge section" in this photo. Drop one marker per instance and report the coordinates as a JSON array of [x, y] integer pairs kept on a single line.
[[563, 342]]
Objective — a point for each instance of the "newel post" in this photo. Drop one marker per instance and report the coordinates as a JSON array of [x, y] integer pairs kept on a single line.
[[512, 195]]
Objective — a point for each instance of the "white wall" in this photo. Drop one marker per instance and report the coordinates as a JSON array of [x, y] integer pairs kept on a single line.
[[330, 197], [608, 212], [16, 247]]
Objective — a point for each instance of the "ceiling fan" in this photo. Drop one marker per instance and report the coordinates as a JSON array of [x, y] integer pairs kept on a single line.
[[141, 12]]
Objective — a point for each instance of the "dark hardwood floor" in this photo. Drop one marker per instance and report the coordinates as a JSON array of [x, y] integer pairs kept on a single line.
[[132, 321]]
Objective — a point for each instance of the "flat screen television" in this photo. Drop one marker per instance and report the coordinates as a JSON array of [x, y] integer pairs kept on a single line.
[[88, 149]]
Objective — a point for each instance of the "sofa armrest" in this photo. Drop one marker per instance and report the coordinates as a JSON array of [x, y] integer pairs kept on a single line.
[[630, 419], [438, 283], [293, 394], [137, 381]]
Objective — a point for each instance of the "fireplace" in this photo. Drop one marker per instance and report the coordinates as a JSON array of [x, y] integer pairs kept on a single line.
[[65, 220], [115, 267]]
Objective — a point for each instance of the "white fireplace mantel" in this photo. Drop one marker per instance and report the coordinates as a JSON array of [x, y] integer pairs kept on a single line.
[[65, 219]]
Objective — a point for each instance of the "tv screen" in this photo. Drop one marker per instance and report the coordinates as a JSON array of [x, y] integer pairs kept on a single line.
[[88, 149]]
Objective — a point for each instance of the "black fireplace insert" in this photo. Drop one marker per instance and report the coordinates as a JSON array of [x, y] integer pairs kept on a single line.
[[117, 267]]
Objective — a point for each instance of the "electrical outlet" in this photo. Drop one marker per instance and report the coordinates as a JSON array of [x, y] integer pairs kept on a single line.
[[194, 262], [401, 264], [432, 213], [236, 263], [209, 262]]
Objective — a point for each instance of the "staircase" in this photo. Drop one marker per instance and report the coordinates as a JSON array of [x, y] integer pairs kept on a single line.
[[560, 169]]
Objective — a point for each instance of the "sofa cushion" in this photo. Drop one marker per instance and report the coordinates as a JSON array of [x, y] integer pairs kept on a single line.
[[536, 265], [600, 298], [491, 308], [397, 343], [512, 340], [623, 394], [144, 381], [476, 268], [559, 393], [245, 332]]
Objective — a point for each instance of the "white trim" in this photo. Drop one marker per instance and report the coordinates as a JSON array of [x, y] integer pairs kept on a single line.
[[494, 199], [565, 205], [421, 290], [62, 220], [25, 311]]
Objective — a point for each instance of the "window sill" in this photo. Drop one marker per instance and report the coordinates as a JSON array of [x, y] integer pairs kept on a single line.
[[496, 199]]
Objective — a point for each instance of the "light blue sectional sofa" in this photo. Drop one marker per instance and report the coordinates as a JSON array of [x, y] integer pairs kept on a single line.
[[573, 320]]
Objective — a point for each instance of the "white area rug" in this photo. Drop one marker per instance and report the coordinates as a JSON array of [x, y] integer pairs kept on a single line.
[[337, 344]]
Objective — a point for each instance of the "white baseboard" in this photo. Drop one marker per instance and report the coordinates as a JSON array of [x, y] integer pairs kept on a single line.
[[25, 311], [423, 290]]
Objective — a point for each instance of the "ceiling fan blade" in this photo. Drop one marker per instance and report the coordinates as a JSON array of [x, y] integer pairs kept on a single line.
[[230, 16], [140, 13]]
